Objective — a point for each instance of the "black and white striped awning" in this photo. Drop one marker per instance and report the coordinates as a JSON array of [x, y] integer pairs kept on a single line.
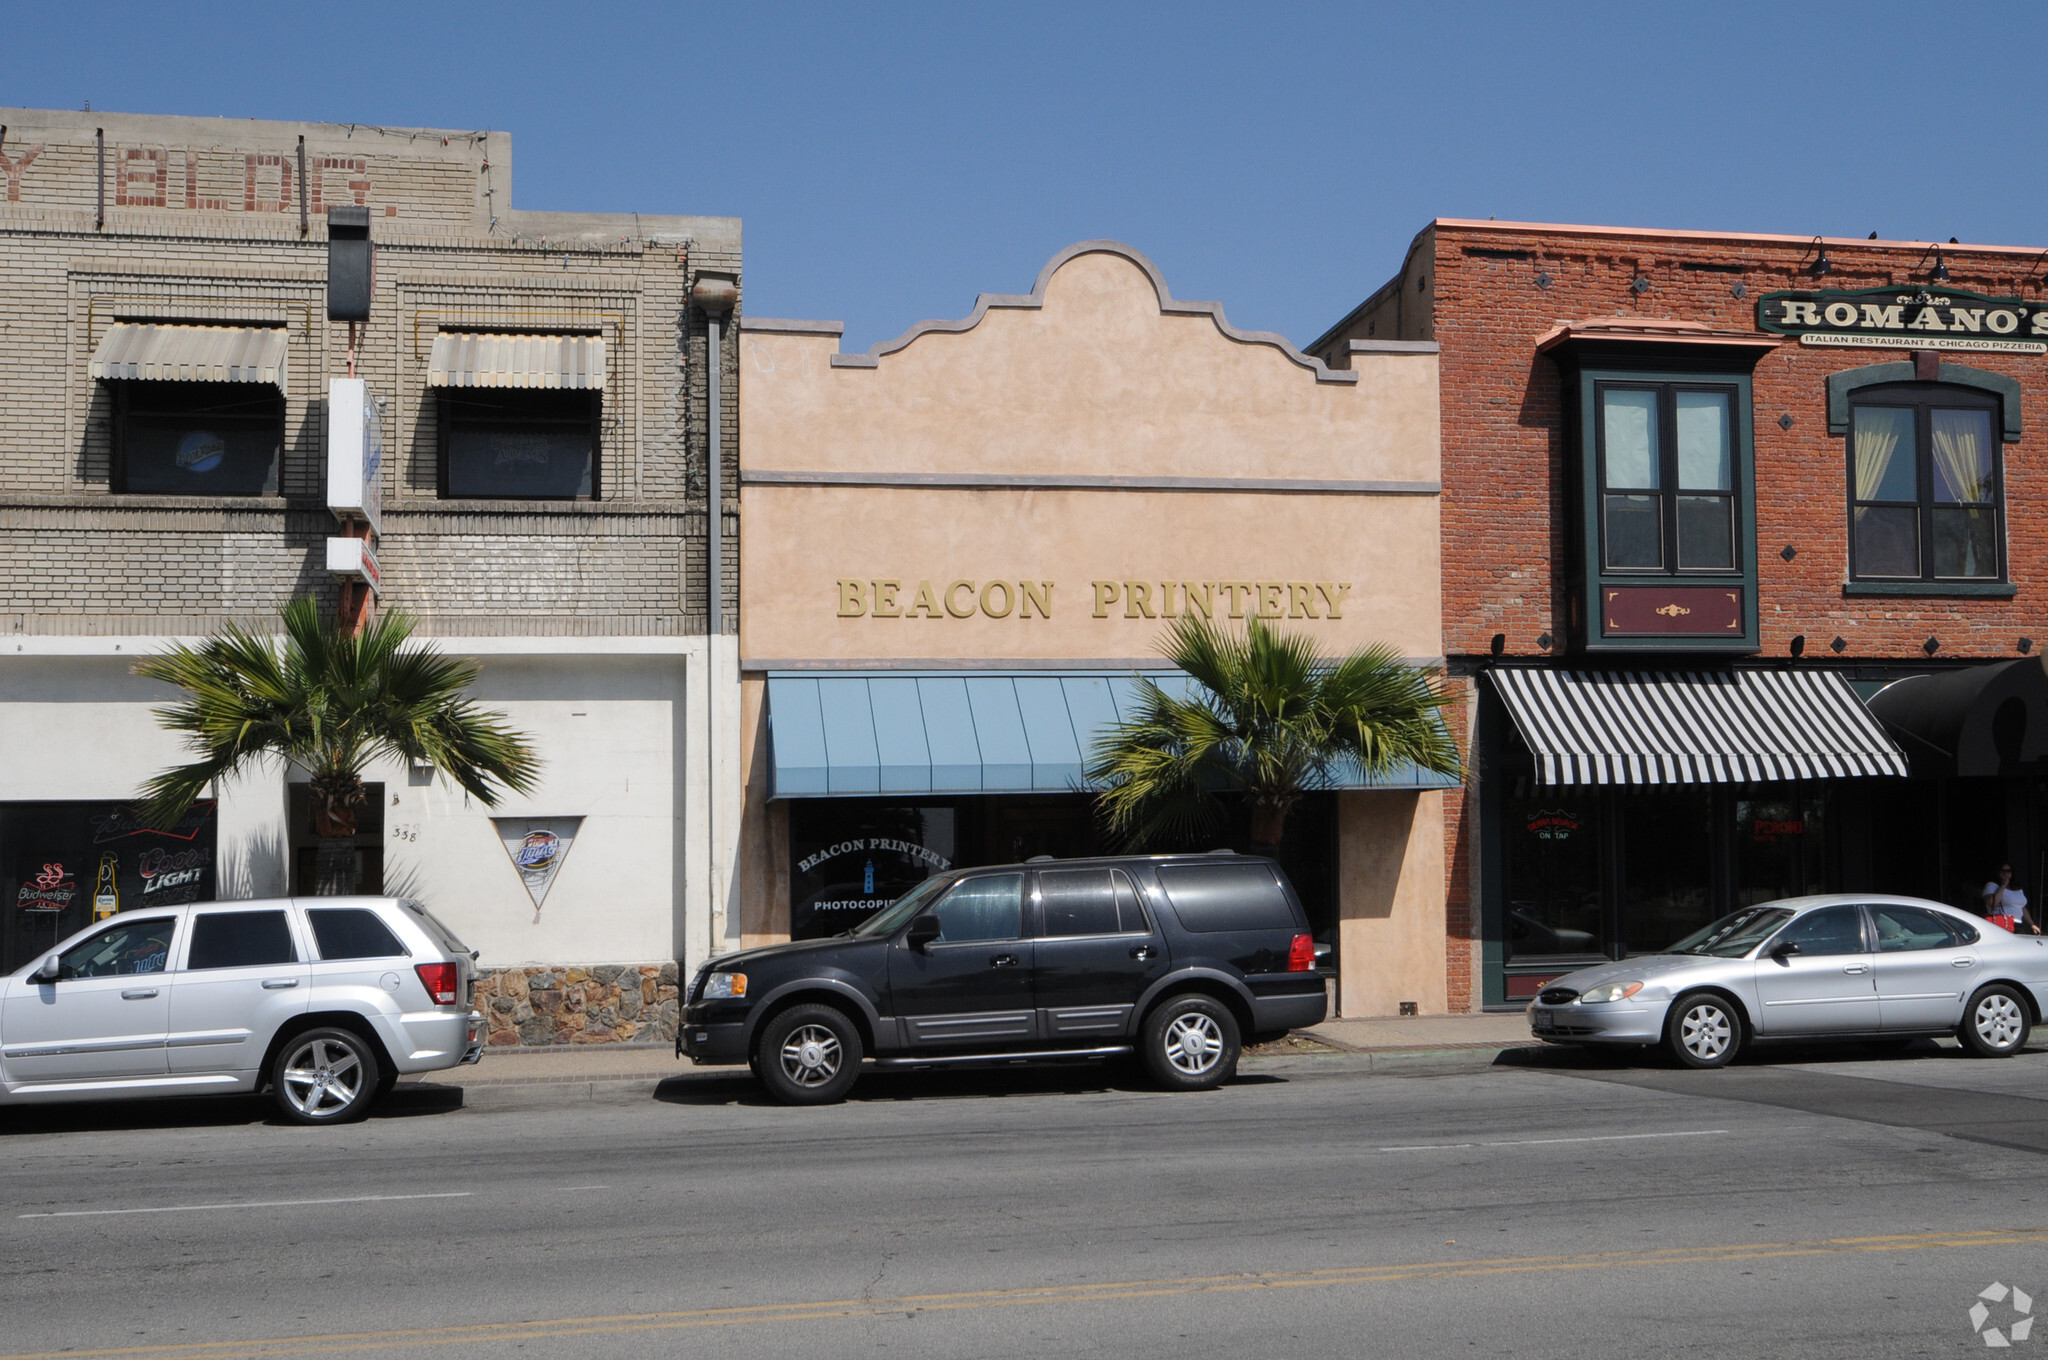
[[1693, 727]]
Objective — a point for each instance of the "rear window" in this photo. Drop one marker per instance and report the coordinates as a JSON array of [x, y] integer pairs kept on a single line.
[[441, 934], [352, 933], [240, 939], [1215, 897]]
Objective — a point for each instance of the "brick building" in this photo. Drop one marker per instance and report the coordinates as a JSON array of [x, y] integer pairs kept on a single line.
[[541, 383], [1711, 504]]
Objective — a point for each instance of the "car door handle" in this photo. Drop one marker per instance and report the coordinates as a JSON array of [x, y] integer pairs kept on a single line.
[[1143, 951], [1002, 961], [1962, 963], [279, 984], [139, 994], [1857, 968]]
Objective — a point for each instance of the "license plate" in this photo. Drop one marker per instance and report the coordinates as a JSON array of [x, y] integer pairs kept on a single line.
[[1545, 1020]]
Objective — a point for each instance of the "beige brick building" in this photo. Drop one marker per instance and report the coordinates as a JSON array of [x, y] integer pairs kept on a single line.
[[550, 523]]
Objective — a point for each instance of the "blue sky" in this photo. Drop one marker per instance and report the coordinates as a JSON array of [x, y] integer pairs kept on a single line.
[[891, 161]]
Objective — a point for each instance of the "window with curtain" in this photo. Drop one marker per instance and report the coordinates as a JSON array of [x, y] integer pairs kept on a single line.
[[1667, 477], [1925, 488]]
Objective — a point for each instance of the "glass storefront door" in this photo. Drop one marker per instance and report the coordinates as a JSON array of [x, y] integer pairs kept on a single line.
[[1552, 867]]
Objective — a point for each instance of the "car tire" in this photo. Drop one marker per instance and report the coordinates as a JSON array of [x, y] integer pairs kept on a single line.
[[808, 1055], [1703, 1030], [1996, 1023], [325, 1076], [1190, 1043]]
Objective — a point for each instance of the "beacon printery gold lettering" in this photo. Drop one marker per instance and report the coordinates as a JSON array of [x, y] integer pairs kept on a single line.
[[962, 598]]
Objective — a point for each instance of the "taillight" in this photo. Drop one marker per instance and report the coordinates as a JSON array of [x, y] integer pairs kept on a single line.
[[442, 979], [1301, 954]]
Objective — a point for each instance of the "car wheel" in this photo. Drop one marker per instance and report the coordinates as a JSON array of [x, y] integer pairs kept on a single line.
[[808, 1055], [325, 1076], [1996, 1024], [1703, 1030], [1190, 1043]]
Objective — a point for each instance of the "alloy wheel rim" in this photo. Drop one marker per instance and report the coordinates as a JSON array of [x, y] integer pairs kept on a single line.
[[1998, 1021], [1194, 1044], [323, 1078], [811, 1055], [1705, 1031]]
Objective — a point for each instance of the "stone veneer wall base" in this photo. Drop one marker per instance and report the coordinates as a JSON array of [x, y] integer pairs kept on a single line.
[[536, 1007]]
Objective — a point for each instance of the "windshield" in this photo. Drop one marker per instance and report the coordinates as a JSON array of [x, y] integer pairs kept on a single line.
[[899, 912], [1734, 934]]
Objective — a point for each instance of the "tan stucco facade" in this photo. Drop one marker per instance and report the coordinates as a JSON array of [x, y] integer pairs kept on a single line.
[[1046, 484]]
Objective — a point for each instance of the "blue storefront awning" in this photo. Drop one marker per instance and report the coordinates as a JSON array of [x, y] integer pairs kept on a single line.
[[879, 733]]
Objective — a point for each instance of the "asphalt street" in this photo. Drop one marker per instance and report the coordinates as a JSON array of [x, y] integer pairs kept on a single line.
[[1811, 1204]]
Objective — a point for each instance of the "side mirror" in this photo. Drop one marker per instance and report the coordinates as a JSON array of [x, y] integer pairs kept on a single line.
[[1785, 950], [48, 972], [923, 930]]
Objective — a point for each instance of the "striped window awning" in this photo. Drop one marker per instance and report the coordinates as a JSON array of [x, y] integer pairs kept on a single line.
[[1693, 727], [1025, 732], [466, 359], [223, 354]]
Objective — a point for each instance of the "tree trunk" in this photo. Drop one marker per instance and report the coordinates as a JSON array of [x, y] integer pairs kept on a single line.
[[337, 869], [1269, 824]]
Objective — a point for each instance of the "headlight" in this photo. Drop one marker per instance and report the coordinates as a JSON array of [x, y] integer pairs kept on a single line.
[[718, 986], [1613, 991]]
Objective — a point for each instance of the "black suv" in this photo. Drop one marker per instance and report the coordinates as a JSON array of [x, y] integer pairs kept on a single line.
[[1177, 956]]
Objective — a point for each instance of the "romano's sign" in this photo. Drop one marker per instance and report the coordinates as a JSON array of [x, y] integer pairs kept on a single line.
[[1908, 318]]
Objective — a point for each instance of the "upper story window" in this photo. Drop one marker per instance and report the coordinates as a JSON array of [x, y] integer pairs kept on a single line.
[[197, 438], [522, 444], [1667, 477], [1925, 484]]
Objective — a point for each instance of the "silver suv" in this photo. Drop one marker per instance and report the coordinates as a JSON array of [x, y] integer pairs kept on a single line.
[[325, 1001]]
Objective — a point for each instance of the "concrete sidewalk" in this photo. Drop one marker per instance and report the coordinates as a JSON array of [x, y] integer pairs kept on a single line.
[[607, 1073]]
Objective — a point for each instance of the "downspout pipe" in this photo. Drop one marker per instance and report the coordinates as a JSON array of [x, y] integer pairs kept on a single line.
[[715, 297]]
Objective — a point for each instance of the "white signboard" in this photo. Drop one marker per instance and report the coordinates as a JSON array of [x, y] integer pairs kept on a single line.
[[353, 559], [355, 454], [537, 846]]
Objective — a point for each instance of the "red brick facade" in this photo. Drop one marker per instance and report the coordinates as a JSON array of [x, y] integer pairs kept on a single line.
[[1486, 292]]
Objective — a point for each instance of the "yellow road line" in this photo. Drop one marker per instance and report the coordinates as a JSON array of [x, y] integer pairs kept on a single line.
[[500, 1332]]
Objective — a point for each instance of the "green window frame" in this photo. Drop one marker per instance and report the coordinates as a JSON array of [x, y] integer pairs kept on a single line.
[[1926, 486], [1669, 464]]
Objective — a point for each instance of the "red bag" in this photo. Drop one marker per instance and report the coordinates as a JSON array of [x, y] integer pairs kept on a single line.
[[2009, 924]]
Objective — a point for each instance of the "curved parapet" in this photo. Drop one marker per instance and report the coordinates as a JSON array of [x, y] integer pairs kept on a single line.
[[1035, 299]]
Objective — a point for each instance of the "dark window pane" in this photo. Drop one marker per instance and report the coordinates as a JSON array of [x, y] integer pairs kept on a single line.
[[1961, 444], [200, 455], [1903, 929], [1553, 877], [1706, 532], [1634, 536], [1668, 867], [1831, 930], [1887, 541], [352, 933], [1214, 897], [1667, 884], [1778, 848], [1078, 902], [1130, 912], [1965, 542], [990, 908], [533, 461], [1886, 457], [1704, 459], [131, 947], [1629, 430], [240, 939]]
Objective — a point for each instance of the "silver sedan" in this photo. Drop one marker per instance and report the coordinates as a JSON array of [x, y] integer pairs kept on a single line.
[[1842, 966]]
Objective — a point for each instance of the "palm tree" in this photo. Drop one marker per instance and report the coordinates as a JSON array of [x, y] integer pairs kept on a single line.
[[330, 702], [1273, 719]]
